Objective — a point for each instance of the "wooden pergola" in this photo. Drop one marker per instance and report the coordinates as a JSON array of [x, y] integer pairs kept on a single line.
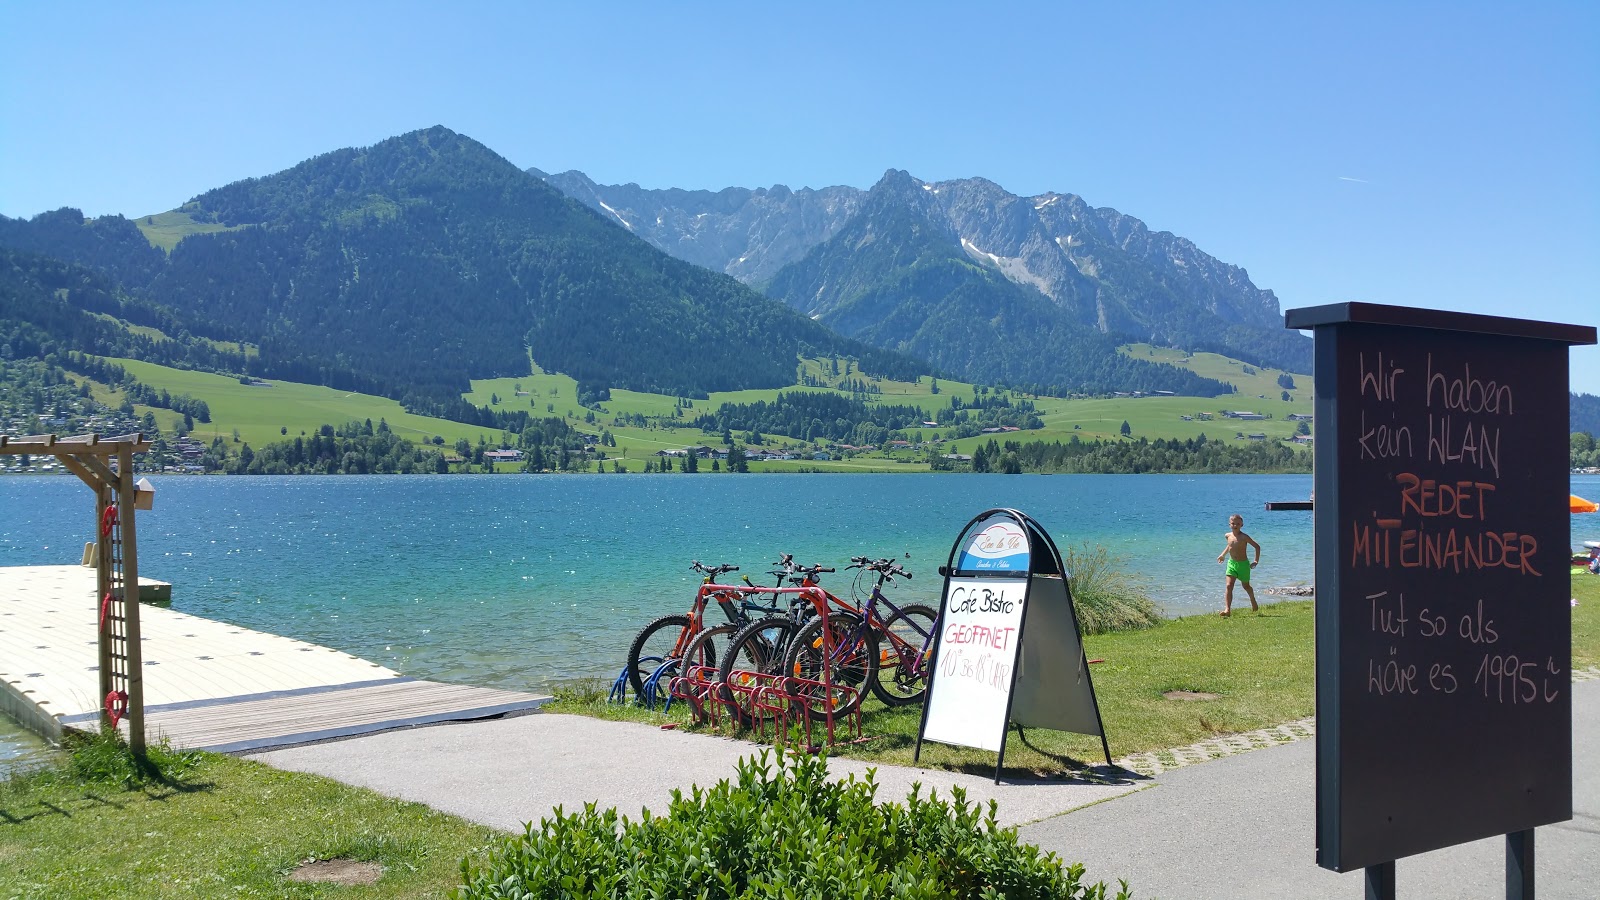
[[106, 466]]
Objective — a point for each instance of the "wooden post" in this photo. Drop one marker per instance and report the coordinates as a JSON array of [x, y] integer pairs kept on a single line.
[[102, 581], [130, 599]]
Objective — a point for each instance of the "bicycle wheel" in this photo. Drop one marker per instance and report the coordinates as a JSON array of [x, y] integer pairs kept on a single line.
[[852, 666], [703, 650], [758, 648], [902, 676], [665, 638]]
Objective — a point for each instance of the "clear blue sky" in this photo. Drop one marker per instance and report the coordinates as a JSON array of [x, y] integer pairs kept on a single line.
[[1444, 155]]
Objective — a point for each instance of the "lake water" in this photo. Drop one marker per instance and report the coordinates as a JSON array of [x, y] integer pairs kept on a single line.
[[518, 581]]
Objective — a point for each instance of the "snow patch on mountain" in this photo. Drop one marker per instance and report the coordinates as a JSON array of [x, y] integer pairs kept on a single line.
[[1014, 268], [625, 223]]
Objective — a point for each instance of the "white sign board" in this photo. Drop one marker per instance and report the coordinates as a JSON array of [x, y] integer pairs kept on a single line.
[[980, 633]]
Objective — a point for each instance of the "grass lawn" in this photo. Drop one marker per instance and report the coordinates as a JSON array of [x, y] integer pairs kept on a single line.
[[1586, 621], [229, 828], [1261, 668]]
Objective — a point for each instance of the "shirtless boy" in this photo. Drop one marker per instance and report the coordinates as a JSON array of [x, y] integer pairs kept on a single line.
[[1236, 553]]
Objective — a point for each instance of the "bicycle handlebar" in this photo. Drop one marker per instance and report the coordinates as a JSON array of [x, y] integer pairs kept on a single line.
[[886, 567]]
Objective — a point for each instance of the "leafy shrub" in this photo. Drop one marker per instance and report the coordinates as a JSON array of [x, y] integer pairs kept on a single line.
[[1106, 596], [782, 831]]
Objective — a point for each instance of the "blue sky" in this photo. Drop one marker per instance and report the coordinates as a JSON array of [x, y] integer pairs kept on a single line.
[[1444, 155]]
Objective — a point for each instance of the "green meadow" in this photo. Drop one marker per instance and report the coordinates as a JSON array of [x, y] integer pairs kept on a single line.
[[262, 414], [644, 424], [166, 229]]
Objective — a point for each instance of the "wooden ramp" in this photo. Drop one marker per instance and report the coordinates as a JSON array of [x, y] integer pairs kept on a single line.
[[265, 721], [208, 685]]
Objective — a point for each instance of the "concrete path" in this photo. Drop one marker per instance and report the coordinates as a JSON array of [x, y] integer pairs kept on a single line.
[[1243, 827], [1239, 827], [508, 772]]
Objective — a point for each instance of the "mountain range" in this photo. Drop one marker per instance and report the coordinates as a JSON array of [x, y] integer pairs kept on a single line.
[[877, 264], [407, 267]]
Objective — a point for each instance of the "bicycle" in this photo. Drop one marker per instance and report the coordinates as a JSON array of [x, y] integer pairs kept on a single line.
[[662, 645], [755, 654], [887, 654]]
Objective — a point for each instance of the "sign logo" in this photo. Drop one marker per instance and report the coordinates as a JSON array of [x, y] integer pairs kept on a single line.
[[1001, 547]]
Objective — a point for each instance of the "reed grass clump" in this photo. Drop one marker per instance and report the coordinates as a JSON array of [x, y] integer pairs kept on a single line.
[[1108, 597], [105, 759]]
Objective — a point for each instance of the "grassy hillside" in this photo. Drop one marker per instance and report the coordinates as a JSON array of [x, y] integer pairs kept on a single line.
[[166, 229], [644, 424], [260, 413], [1261, 382]]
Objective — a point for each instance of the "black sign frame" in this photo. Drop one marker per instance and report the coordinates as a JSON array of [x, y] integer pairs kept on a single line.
[[1403, 764]]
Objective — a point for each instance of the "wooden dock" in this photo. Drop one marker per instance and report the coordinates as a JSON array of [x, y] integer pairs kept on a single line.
[[208, 685]]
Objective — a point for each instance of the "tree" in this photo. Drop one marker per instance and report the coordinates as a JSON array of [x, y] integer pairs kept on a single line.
[[737, 461], [1286, 398], [1286, 381], [1302, 427], [1126, 428]]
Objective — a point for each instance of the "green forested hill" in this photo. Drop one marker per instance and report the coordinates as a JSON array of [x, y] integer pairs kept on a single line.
[[894, 277], [408, 267], [49, 307], [111, 245]]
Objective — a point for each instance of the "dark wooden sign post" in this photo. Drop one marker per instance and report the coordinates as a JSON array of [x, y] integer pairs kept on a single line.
[[1444, 629]]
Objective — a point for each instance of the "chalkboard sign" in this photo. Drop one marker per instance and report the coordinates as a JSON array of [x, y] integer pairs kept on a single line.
[[1007, 648], [1444, 711]]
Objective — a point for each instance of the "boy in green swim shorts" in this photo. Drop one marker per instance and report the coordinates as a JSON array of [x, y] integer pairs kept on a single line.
[[1239, 566]]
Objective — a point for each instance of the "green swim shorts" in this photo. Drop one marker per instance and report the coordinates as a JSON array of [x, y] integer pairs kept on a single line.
[[1240, 569]]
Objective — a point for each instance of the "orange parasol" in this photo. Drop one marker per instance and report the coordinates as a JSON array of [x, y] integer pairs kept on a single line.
[[1580, 505]]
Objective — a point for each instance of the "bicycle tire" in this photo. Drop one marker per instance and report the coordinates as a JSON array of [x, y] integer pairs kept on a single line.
[[665, 638], [704, 648], [902, 685], [854, 667], [757, 647]]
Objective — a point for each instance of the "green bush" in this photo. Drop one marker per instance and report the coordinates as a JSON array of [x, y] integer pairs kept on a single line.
[[782, 831], [1106, 597]]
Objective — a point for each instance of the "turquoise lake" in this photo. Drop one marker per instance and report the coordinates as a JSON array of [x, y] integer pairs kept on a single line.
[[519, 581]]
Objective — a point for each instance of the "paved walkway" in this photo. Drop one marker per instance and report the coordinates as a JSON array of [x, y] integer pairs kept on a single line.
[[1244, 827], [512, 771], [1235, 827]]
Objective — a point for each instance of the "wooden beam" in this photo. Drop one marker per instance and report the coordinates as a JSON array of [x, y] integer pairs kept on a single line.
[[79, 469], [49, 444], [98, 467], [29, 443]]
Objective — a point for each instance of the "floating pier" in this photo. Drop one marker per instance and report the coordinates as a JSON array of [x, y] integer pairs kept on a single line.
[[207, 685]]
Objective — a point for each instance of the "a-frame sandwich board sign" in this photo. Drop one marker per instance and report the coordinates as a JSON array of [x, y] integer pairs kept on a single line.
[[1007, 649]]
